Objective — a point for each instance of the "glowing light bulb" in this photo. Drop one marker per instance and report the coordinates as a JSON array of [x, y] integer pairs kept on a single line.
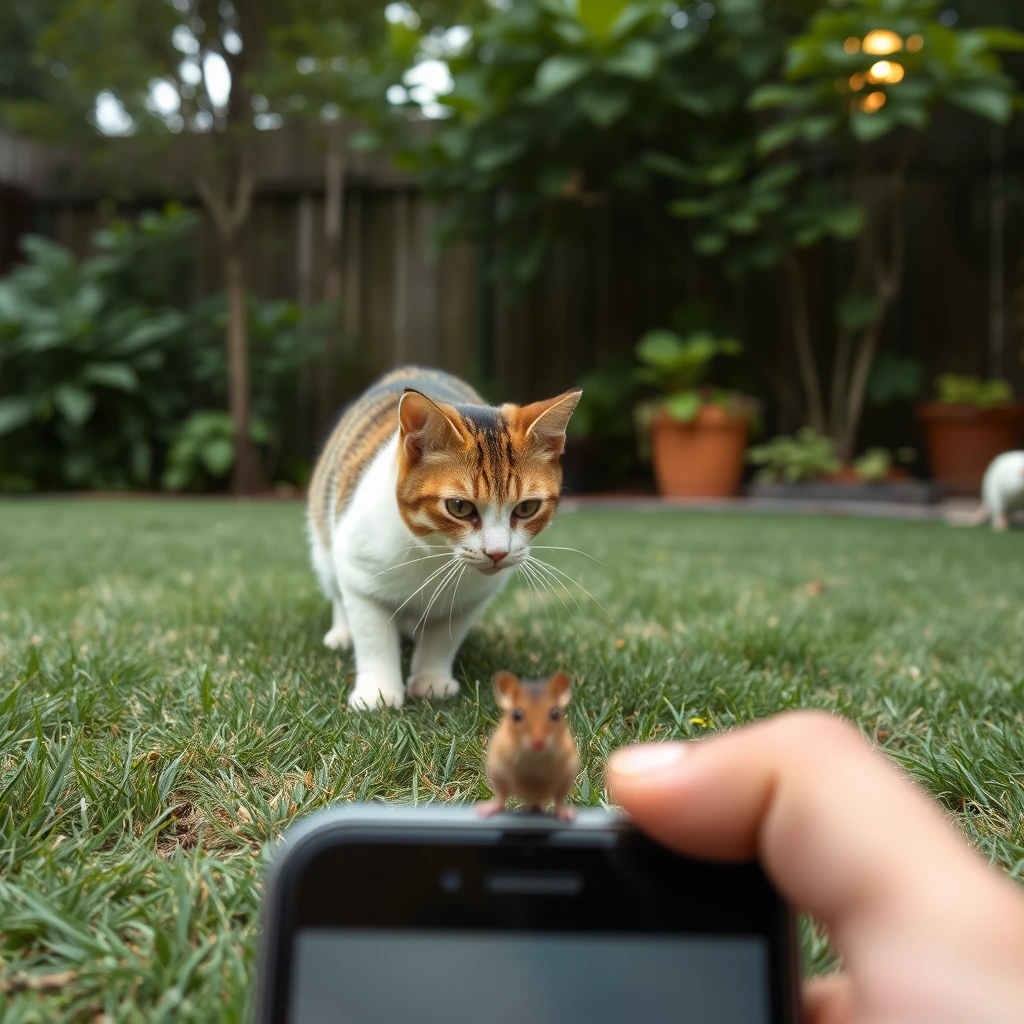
[[852, 45], [886, 71], [914, 43], [857, 82], [874, 101], [881, 41]]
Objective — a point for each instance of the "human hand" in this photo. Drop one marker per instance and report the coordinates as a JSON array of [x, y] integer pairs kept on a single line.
[[928, 933]]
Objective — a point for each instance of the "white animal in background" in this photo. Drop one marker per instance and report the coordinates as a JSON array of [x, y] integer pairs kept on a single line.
[[1002, 491]]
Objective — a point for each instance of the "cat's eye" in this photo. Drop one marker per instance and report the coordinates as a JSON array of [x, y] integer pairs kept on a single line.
[[555, 714], [517, 715], [526, 509], [460, 508]]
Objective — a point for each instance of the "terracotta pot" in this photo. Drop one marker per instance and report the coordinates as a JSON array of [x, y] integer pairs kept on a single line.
[[963, 440], [702, 458]]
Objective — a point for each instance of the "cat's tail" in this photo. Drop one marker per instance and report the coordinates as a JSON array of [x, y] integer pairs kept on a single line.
[[976, 518]]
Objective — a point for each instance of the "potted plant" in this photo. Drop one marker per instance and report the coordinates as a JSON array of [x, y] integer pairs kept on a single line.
[[971, 422], [807, 466], [697, 433]]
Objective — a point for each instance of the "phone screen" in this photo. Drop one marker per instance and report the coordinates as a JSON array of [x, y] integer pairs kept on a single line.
[[381, 977]]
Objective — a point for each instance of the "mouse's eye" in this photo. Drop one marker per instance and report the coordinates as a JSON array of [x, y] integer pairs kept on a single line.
[[517, 715], [555, 714]]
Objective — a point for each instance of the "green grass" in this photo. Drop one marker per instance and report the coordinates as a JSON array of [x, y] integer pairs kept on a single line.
[[166, 706]]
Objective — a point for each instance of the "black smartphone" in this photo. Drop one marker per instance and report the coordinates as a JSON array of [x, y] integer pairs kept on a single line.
[[378, 915]]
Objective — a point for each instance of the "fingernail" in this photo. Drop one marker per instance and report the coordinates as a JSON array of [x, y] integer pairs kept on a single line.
[[646, 759]]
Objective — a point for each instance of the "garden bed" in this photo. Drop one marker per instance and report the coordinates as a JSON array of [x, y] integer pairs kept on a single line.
[[901, 492]]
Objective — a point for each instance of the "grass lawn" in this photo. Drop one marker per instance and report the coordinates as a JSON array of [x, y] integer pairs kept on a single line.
[[166, 706]]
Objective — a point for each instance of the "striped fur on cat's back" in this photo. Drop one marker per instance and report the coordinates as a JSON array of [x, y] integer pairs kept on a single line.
[[422, 499]]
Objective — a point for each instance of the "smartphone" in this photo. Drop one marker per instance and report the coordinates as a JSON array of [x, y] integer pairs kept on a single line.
[[380, 915]]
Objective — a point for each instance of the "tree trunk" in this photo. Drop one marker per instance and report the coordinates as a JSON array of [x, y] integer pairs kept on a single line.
[[245, 475], [334, 212], [888, 278], [230, 219], [803, 339]]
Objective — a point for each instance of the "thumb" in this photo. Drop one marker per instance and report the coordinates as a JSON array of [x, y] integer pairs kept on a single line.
[[840, 833]]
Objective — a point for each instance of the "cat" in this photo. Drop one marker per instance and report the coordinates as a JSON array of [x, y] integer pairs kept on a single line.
[[1002, 491], [421, 503]]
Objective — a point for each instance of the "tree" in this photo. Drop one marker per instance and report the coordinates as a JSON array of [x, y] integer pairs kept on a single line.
[[560, 104], [181, 73], [864, 82], [336, 65]]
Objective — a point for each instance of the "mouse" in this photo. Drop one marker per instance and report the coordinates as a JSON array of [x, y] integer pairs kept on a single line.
[[532, 754], [1002, 491]]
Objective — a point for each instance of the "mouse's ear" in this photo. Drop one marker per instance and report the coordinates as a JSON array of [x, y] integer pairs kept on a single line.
[[560, 687], [505, 686]]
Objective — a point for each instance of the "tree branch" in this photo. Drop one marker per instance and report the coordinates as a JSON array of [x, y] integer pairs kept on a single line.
[[218, 209], [803, 339]]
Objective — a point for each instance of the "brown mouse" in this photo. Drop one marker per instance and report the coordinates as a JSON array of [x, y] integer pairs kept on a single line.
[[532, 754]]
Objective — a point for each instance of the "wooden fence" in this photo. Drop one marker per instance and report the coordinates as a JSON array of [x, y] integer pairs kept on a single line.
[[405, 302]]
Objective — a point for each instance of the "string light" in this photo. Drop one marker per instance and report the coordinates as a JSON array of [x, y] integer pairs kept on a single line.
[[915, 43], [886, 71], [857, 82], [881, 41], [852, 45], [874, 101]]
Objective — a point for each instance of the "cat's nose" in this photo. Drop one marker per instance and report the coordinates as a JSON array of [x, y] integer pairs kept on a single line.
[[495, 554]]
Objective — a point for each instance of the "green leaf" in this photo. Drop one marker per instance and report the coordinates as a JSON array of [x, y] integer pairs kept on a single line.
[[683, 406], [217, 456], [559, 72], [365, 141], [669, 165], [15, 411], [870, 127], [776, 176], [75, 403], [112, 375], [693, 207], [986, 101], [603, 108], [775, 94], [778, 136], [711, 243], [599, 17], [857, 311], [638, 59], [489, 160], [741, 222], [846, 221], [1000, 38]]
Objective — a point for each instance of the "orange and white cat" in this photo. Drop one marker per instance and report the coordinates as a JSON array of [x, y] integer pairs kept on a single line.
[[421, 503]]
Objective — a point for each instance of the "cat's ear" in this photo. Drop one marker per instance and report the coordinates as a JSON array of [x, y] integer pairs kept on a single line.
[[423, 425], [505, 687], [560, 688], [546, 422]]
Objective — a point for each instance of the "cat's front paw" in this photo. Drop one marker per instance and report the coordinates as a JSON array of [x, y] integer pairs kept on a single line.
[[369, 695], [338, 639], [437, 687]]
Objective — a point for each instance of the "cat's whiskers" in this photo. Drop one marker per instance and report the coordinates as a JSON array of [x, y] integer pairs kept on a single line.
[[422, 620], [523, 571], [553, 569], [426, 582], [555, 547], [455, 592], [544, 584], [401, 565], [553, 583]]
